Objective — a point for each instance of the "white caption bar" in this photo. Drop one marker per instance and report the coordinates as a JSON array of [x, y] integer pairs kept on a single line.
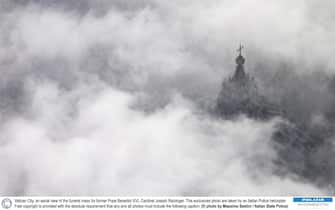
[[167, 203]]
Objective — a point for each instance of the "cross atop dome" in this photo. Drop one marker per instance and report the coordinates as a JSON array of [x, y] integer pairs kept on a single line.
[[240, 49], [240, 59], [239, 72]]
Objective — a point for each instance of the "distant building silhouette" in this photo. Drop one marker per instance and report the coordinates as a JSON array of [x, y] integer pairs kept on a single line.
[[295, 146], [239, 95]]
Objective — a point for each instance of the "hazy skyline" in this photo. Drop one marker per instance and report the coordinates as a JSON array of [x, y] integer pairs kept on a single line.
[[112, 97]]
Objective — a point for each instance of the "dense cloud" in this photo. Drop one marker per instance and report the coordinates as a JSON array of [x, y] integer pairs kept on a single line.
[[106, 148], [113, 96]]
